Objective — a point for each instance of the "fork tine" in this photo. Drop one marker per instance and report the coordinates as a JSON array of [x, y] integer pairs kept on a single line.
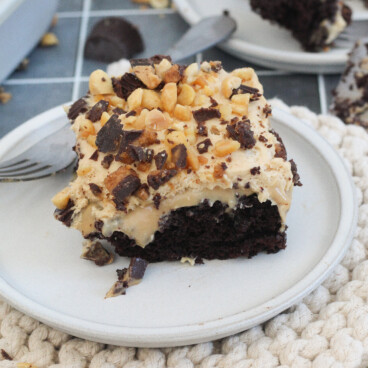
[[13, 162], [12, 169], [23, 173]]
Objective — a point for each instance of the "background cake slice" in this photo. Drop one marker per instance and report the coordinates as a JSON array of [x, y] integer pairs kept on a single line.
[[314, 23], [178, 162]]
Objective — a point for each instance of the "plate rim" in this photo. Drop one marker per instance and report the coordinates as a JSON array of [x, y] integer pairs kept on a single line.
[[215, 329], [237, 45]]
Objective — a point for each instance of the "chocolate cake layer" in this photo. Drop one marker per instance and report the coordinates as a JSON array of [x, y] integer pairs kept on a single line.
[[314, 23], [211, 232]]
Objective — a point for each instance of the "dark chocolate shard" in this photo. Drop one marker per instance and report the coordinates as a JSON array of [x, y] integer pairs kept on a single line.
[[141, 62], [214, 103], [296, 176], [205, 114], [280, 150], [5, 355], [96, 112], [246, 89], [118, 111], [156, 59], [94, 156], [95, 189], [160, 159], [242, 133], [140, 154], [78, 107], [202, 147], [157, 200], [126, 187], [106, 161], [255, 170], [128, 277], [128, 137], [202, 130], [126, 85], [267, 110], [94, 251], [179, 156], [65, 215], [112, 39], [98, 225], [160, 177], [216, 66], [109, 136]]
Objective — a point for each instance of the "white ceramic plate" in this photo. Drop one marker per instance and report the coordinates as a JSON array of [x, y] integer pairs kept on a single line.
[[42, 275], [260, 42]]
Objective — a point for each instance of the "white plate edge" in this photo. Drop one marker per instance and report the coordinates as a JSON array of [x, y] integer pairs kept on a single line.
[[234, 323]]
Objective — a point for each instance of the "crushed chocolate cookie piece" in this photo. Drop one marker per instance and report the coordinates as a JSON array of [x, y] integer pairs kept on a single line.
[[140, 62], [243, 89], [65, 215], [262, 139], [5, 355], [235, 185], [119, 205], [140, 154], [147, 75], [78, 107], [96, 112], [247, 185], [126, 85], [94, 251], [98, 225], [214, 103], [199, 261], [267, 110], [174, 74], [255, 170], [127, 137], [160, 177], [112, 39], [202, 130], [280, 150], [234, 120], [157, 200], [296, 176], [203, 114], [95, 189], [109, 136], [144, 166], [131, 113], [126, 187], [202, 147], [113, 179], [106, 161], [128, 277], [156, 59], [160, 159], [118, 111], [143, 192], [242, 133], [179, 156], [94, 156], [219, 170], [148, 138], [216, 66]]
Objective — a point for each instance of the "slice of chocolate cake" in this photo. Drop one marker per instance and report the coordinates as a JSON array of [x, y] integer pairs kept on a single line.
[[314, 23], [178, 162], [351, 95]]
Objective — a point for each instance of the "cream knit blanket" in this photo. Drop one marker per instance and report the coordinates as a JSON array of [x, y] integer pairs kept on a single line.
[[328, 329]]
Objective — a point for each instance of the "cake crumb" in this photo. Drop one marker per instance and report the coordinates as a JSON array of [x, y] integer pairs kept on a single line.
[[5, 97], [49, 39]]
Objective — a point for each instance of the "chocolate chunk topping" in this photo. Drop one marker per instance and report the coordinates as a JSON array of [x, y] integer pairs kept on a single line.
[[78, 107], [97, 253], [119, 205], [255, 170], [106, 162], [246, 89], [112, 39], [108, 138], [143, 192], [242, 133], [205, 114], [157, 200], [219, 170], [156, 59], [128, 136], [5, 355], [96, 112], [263, 139], [202, 147], [98, 225], [179, 156], [174, 74], [280, 150], [131, 113], [296, 177], [202, 130], [216, 66], [126, 187], [160, 177], [66, 214], [140, 62], [95, 189], [118, 111], [140, 154], [235, 185], [213, 102], [94, 156], [160, 159], [267, 110], [126, 85]]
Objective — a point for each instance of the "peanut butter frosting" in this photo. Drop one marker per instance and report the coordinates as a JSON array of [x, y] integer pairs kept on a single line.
[[164, 136]]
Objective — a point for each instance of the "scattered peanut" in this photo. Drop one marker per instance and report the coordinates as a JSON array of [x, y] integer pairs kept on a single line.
[[245, 74], [91, 139], [186, 95], [135, 99], [191, 72], [156, 120], [86, 128], [49, 39], [202, 160], [140, 122], [147, 75], [228, 84], [182, 113], [162, 68], [104, 118], [225, 111], [151, 99], [159, 4], [61, 199], [192, 158], [240, 104], [225, 147], [169, 96], [83, 170], [100, 83]]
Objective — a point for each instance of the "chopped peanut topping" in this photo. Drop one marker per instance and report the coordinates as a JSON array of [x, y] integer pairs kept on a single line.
[[228, 84], [186, 95], [151, 99], [169, 96], [225, 147], [182, 113], [135, 99], [147, 75], [100, 83], [61, 199], [156, 120], [86, 128], [104, 118]]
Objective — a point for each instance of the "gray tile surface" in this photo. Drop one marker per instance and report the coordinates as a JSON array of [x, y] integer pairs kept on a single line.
[[30, 100], [56, 61], [113, 4], [70, 5], [331, 82]]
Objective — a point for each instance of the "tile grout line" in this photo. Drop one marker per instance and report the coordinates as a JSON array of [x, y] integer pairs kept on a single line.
[[116, 12], [322, 94], [82, 38]]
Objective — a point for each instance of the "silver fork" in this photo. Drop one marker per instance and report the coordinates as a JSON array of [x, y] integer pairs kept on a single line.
[[355, 31], [53, 153]]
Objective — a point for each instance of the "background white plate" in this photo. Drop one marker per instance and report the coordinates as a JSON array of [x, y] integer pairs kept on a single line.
[[260, 42], [42, 275]]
